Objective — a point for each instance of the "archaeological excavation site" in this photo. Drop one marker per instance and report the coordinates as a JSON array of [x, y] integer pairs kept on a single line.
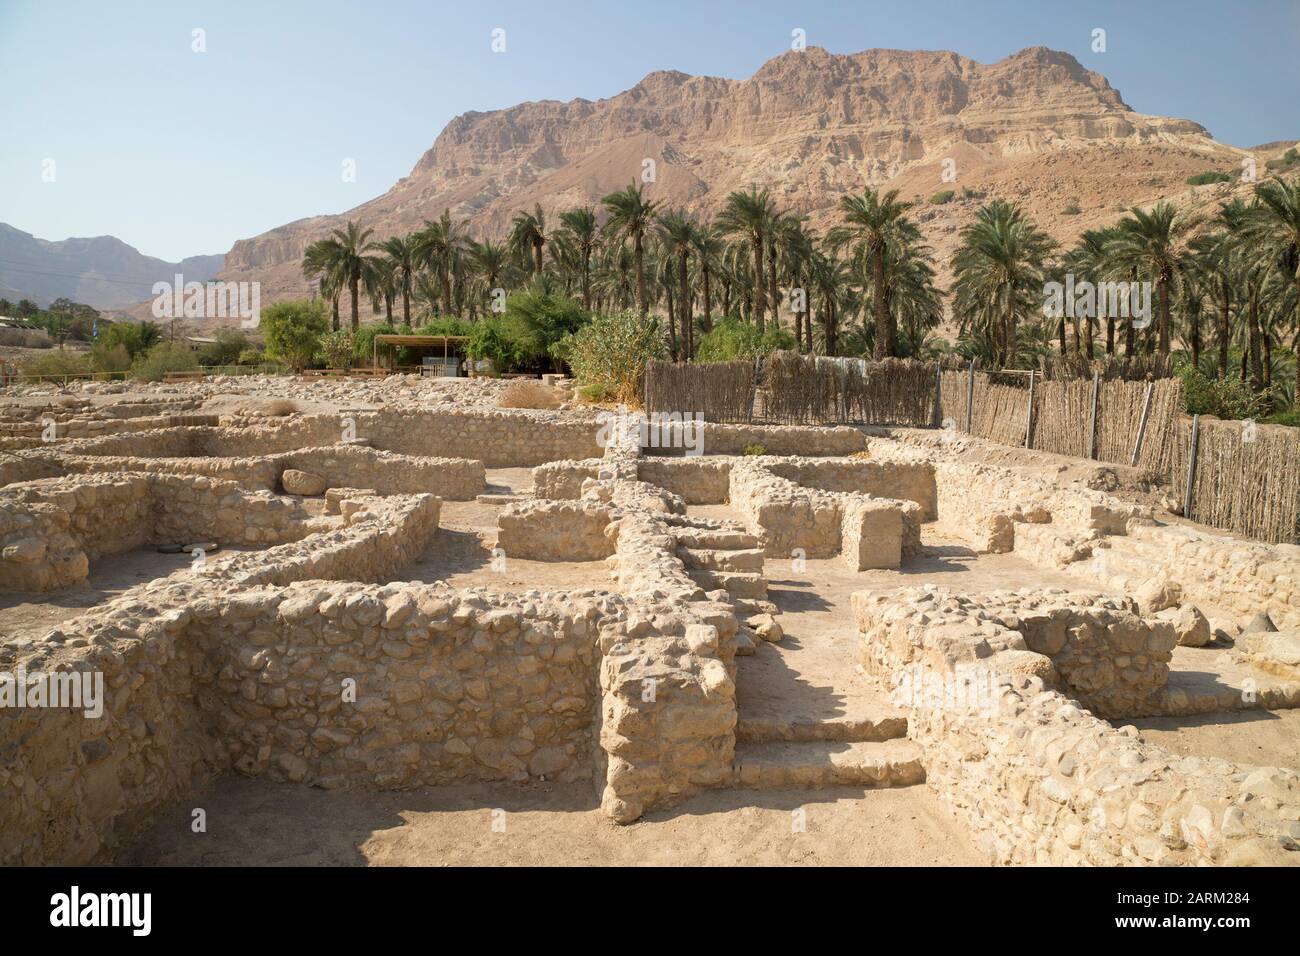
[[390, 621]]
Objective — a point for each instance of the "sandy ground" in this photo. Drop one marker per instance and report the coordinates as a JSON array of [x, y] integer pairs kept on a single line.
[[1269, 738], [462, 551], [257, 823], [30, 616]]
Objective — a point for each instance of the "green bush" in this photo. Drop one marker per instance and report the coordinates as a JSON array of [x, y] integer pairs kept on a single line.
[[109, 358], [541, 325], [163, 358], [1285, 161], [755, 449], [251, 357], [612, 351], [493, 340], [58, 362], [941, 197], [336, 349], [293, 330], [1291, 418], [1071, 209], [731, 339], [225, 350], [1222, 397], [592, 393], [1212, 176]]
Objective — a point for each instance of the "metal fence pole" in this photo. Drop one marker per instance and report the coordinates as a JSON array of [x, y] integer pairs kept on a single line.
[[1191, 465], [1029, 419], [936, 418], [1142, 425], [1092, 420]]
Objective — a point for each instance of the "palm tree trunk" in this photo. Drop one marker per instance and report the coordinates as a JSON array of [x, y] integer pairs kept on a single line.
[[1194, 317], [756, 298], [685, 300], [356, 316], [406, 303], [1061, 333], [1252, 331], [586, 279], [640, 275], [1163, 347], [1011, 327], [537, 258], [1110, 335], [708, 302], [335, 313], [772, 290], [883, 345], [1224, 332]]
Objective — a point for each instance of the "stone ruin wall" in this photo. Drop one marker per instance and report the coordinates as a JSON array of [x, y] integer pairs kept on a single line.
[[1040, 780]]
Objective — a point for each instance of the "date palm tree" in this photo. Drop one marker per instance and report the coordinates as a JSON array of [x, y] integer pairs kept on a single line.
[[1221, 252], [400, 256], [677, 237], [344, 254], [630, 216], [1153, 244], [750, 214], [488, 260], [709, 249], [584, 232], [999, 273], [870, 220], [437, 246], [528, 236], [1279, 230]]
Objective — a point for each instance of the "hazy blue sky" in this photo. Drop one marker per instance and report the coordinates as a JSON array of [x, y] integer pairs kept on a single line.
[[181, 153]]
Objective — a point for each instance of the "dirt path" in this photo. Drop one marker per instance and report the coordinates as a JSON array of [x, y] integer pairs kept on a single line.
[[257, 823]]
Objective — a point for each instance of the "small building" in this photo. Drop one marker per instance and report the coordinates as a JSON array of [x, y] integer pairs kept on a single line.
[[438, 354]]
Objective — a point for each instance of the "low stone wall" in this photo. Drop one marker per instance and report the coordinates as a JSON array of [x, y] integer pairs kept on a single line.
[[50, 530], [1042, 781], [789, 518], [901, 480], [698, 480], [554, 531]]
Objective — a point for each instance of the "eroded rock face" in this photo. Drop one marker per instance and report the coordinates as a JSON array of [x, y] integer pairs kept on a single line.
[[1016, 125]]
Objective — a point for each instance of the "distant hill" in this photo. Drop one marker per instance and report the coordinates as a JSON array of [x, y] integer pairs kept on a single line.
[[1036, 127], [103, 271]]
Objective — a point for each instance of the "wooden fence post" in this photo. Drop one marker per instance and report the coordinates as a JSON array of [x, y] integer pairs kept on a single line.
[[970, 396], [1191, 465], [1142, 425], [1029, 419], [1092, 420], [936, 418]]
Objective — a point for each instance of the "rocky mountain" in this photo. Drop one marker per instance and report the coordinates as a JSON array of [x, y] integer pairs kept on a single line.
[[1036, 127], [103, 272]]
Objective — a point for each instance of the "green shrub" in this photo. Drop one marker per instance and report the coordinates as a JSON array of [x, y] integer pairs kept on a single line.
[[493, 340], [293, 330], [1222, 397], [1071, 209], [592, 393], [941, 197], [731, 339], [163, 358], [58, 362], [109, 358], [225, 350], [612, 351], [336, 349], [1285, 161], [251, 357], [755, 449], [541, 325], [1291, 417], [1212, 176]]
